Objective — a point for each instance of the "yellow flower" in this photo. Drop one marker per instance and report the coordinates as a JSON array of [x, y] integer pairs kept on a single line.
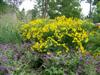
[[25, 26], [28, 36], [58, 30], [59, 52], [49, 53]]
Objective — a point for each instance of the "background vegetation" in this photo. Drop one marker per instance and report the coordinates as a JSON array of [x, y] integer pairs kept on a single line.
[[59, 41]]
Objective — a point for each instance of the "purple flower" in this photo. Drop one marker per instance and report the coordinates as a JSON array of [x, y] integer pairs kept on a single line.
[[2, 68], [5, 70], [45, 56], [15, 57], [98, 69], [7, 74], [48, 56], [81, 58], [33, 52], [4, 59], [87, 62]]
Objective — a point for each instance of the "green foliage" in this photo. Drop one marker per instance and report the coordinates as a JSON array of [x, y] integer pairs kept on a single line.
[[70, 64], [54, 8], [53, 71], [35, 13], [88, 25], [1, 1], [5, 8], [90, 69], [16, 60], [93, 45], [23, 62], [69, 8], [21, 16], [96, 14], [95, 2], [9, 29], [56, 44], [94, 42]]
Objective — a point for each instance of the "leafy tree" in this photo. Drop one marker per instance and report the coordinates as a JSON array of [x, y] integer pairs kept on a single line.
[[95, 2], [90, 1], [42, 6], [69, 8], [3, 6], [1, 1], [53, 8], [35, 13], [96, 14], [9, 6]]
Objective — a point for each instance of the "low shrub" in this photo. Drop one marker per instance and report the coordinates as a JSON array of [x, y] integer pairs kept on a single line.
[[18, 60], [70, 64], [94, 42], [15, 60], [60, 35]]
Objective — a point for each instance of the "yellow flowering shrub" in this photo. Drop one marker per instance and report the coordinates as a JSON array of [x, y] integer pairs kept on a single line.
[[59, 35]]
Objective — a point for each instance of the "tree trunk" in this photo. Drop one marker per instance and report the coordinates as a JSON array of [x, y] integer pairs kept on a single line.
[[90, 13], [44, 7]]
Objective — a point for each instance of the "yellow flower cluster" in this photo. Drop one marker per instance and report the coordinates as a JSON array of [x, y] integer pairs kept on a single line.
[[59, 35], [33, 27]]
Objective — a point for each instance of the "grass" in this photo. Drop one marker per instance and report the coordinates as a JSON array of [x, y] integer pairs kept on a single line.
[[9, 29]]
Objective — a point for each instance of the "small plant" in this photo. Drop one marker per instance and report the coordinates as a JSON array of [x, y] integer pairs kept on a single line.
[[53, 71]]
